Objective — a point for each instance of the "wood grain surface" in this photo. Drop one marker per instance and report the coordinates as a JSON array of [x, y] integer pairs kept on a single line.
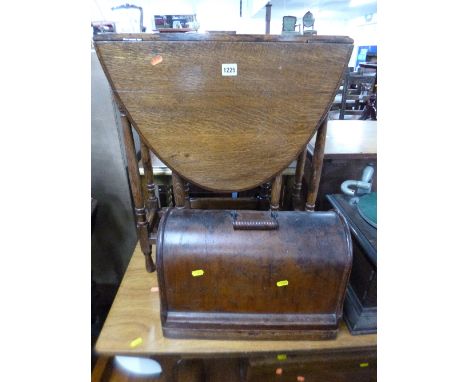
[[135, 313], [225, 133]]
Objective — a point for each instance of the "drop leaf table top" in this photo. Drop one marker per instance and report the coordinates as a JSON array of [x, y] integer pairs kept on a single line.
[[249, 122]]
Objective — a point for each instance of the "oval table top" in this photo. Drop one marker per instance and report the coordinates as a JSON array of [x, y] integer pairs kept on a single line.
[[226, 112]]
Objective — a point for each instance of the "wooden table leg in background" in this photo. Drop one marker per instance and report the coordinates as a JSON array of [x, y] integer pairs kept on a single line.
[[135, 184], [317, 163]]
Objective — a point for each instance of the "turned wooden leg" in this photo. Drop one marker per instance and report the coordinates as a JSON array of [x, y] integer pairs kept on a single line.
[[276, 193], [135, 184], [153, 200], [152, 204], [298, 180], [317, 163], [178, 190]]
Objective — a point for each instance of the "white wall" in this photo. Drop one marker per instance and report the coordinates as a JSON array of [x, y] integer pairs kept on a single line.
[[363, 32], [224, 15], [211, 14]]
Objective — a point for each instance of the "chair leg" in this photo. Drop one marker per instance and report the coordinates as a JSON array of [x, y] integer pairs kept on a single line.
[[135, 184]]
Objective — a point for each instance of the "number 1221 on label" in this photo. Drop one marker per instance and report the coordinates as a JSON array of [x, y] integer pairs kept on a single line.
[[229, 69]]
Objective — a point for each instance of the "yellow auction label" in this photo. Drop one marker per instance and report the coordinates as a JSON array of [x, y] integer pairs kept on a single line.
[[136, 342], [282, 283], [197, 273], [364, 364], [281, 357]]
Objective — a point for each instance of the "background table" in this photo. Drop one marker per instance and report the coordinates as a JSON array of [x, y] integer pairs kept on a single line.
[[134, 318], [135, 314], [349, 139]]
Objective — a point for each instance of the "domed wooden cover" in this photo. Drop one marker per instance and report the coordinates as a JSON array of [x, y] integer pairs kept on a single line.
[[224, 127]]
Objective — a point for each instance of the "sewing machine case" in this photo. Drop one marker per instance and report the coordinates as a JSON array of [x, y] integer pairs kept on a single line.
[[256, 274]]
